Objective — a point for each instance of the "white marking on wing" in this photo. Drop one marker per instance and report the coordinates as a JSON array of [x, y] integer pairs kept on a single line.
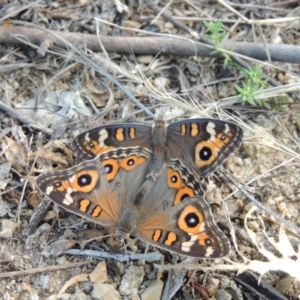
[[227, 129], [202, 227], [87, 137], [209, 251], [68, 200], [103, 134], [186, 246], [211, 130], [72, 179], [49, 189]]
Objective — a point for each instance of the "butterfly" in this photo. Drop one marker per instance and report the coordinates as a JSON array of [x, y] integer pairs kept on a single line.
[[166, 209]]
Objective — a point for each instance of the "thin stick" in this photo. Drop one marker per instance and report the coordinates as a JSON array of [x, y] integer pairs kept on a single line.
[[150, 257], [45, 269], [25, 120]]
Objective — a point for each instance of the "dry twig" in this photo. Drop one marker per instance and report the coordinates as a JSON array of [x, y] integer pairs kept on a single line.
[[168, 45], [41, 270]]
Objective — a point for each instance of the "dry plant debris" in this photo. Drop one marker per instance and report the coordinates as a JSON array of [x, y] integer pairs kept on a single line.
[[68, 66]]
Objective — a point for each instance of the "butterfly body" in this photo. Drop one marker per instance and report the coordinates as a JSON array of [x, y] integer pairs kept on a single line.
[[142, 181]]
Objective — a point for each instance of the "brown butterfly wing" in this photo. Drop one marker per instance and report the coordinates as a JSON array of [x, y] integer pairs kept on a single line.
[[203, 144], [93, 142], [187, 228], [174, 216], [100, 189]]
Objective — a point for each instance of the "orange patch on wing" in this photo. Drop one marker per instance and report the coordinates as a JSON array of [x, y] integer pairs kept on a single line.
[[120, 134], [174, 175], [84, 205], [194, 129], [131, 162], [63, 185], [186, 191], [172, 237], [190, 209], [104, 149], [214, 151], [202, 237], [114, 164], [96, 149], [183, 129], [75, 185], [219, 142], [222, 142], [132, 133], [94, 175], [156, 236], [96, 211]]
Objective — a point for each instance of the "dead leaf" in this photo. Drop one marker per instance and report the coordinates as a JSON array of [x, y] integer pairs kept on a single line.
[[57, 107], [53, 156], [14, 154], [99, 97], [19, 135], [34, 200], [57, 145]]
